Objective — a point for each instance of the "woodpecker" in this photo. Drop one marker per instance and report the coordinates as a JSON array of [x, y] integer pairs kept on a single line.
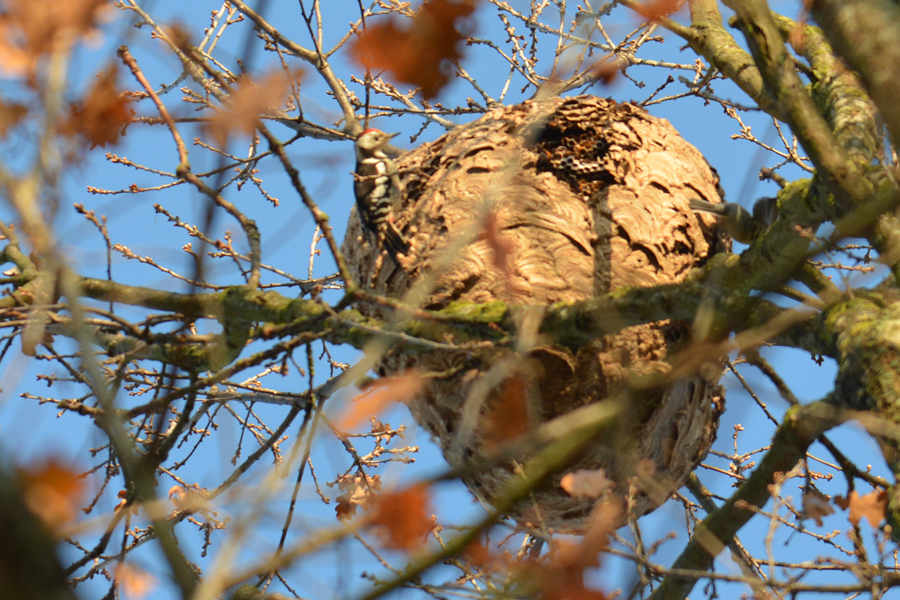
[[743, 225], [377, 189]]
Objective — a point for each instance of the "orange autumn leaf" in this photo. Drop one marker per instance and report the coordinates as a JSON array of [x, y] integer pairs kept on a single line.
[[103, 114], [872, 506], [53, 491], [502, 248], [585, 483], [11, 114], [603, 523], [797, 35], [30, 29], [180, 36], [816, 506], [382, 430], [416, 54], [402, 518], [190, 499], [658, 8], [377, 396], [606, 71], [507, 419], [559, 583], [345, 509], [358, 490], [134, 583], [478, 555], [572, 590], [248, 101], [562, 576]]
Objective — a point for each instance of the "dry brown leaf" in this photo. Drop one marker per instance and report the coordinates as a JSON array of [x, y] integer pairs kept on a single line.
[[816, 506], [872, 506], [572, 590], [606, 71], [402, 518], [797, 35], [53, 492], [35, 331], [345, 509], [133, 582], [559, 583], [502, 248], [103, 114], [508, 418], [586, 483], [659, 8], [382, 429], [189, 499], [416, 53], [377, 396], [248, 101], [122, 495], [30, 29], [180, 36], [359, 490], [476, 554], [562, 577], [11, 114], [603, 523]]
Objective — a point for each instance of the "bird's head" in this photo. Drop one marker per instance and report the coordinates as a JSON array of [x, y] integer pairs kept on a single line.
[[372, 140]]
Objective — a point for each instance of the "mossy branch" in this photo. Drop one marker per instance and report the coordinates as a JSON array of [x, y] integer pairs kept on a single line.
[[457, 326]]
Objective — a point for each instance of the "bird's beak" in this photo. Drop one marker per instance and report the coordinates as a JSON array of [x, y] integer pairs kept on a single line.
[[391, 136]]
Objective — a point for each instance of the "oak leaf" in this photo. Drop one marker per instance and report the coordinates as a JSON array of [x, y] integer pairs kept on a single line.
[[585, 483], [562, 577], [11, 114], [507, 419], [486, 561], [30, 29], [189, 499], [872, 506], [402, 518], [248, 101], [358, 490], [658, 8], [502, 248], [133, 582], [53, 492], [606, 71], [816, 506], [420, 53], [103, 114], [377, 396]]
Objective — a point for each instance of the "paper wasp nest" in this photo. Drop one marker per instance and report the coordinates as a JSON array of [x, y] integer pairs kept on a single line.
[[584, 196]]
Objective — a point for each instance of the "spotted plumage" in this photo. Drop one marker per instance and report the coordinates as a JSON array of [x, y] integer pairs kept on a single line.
[[378, 191]]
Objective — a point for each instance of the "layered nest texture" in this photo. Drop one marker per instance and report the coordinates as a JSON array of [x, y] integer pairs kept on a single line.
[[554, 201]]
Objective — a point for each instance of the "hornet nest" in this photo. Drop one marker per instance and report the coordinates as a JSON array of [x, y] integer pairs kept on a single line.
[[559, 200]]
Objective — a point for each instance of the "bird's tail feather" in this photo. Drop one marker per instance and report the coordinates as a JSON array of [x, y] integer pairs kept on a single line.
[[704, 206], [394, 242]]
